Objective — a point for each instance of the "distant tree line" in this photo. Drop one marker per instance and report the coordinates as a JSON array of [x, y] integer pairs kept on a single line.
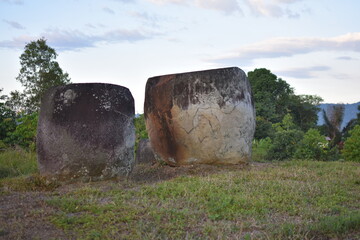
[[286, 123]]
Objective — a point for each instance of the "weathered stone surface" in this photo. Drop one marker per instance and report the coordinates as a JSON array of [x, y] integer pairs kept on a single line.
[[86, 130], [201, 117], [145, 153]]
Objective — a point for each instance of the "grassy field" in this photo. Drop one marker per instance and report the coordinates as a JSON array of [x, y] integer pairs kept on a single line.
[[278, 200]]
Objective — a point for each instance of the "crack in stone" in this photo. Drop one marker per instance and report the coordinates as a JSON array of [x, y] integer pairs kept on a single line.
[[234, 107], [213, 129], [201, 140], [122, 114]]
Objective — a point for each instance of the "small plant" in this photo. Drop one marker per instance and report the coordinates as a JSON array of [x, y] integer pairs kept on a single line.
[[260, 149]]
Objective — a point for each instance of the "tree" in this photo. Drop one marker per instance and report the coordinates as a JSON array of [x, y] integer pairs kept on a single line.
[[286, 124], [274, 98], [304, 109], [333, 118], [7, 119], [16, 129], [271, 94], [263, 128], [39, 71], [15, 101]]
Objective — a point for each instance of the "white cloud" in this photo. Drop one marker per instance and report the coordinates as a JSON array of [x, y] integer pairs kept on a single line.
[[64, 40], [263, 8], [307, 72], [169, 1], [346, 58], [108, 10], [287, 1], [14, 24], [272, 8], [17, 42], [287, 47], [17, 2], [226, 6], [125, 1], [149, 19], [89, 25], [267, 8]]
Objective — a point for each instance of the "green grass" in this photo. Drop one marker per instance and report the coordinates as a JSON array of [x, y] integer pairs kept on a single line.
[[296, 200], [15, 163], [19, 172], [279, 200]]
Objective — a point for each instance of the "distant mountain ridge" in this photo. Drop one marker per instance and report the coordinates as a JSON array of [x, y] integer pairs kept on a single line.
[[349, 113]]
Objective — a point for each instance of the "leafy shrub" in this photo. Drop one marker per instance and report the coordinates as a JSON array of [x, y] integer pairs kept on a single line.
[[7, 120], [351, 151], [313, 146], [260, 149], [140, 129], [286, 139], [285, 144], [2, 146], [286, 124], [25, 133]]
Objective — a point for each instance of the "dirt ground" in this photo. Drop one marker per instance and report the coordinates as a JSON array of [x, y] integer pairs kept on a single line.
[[25, 215]]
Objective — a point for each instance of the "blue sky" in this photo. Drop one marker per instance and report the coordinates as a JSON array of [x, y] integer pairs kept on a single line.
[[312, 44]]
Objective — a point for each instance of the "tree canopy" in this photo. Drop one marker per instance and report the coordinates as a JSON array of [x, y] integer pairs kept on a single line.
[[39, 71], [7, 118], [274, 98], [19, 111], [333, 118]]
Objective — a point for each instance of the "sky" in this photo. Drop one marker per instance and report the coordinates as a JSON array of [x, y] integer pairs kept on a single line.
[[314, 45]]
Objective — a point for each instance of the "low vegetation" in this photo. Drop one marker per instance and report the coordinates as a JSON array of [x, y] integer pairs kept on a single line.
[[278, 200], [15, 163]]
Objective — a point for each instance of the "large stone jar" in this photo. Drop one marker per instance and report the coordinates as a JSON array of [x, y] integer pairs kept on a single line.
[[204, 117], [86, 130]]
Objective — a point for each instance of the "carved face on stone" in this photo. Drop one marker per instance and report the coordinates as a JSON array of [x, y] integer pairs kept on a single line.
[[69, 97]]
